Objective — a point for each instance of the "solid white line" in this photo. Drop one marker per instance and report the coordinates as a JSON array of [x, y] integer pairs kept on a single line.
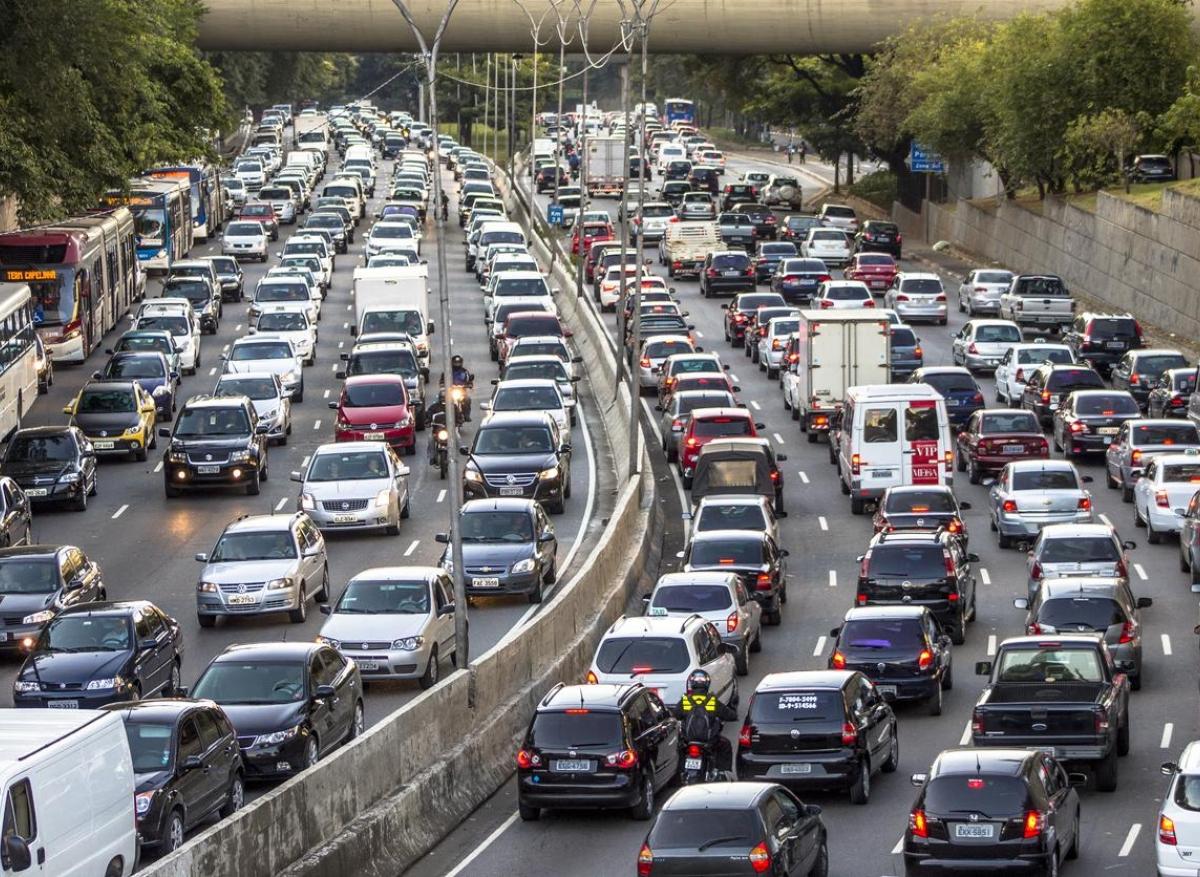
[[487, 842], [158, 466], [755, 405], [317, 424], [984, 575], [411, 548], [833, 578], [966, 735], [1130, 840], [803, 476], [212, 371], [778, 437], [820, 647], [899, 847], [824, 523], [119, 512], [991, 646], [1166, 641], [1137, 567], [683, 500], [304, 462], [441, 496], [1168, 730], [1104, 518], [279, 505]]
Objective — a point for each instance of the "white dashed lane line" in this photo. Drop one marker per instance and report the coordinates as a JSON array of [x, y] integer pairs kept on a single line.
[[411, 548], [755, 405], [158, 466], [803, 476], [1130, 840], [119, 512], [326, 396], [833, 578], [1168, 730], [991, 645], [1166, 644], [984, 576], [966, 735], [778, 438], [317, 424], [1137, 568], [824, 523], [279, 505], [820, 647]]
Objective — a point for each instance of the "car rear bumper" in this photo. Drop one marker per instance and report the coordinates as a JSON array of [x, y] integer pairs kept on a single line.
[[619, 792], [825, 770], [918, 865]]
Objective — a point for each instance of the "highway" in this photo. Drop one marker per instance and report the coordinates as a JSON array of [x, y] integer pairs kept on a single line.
[[824, 540]]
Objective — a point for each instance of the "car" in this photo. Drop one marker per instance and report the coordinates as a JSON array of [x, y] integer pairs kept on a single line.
[[519, 454], [509, 547], [283, 292], [838, 216], [271, 403], [907, 356], [718, 597], [38, 581], [374, 407], [736, 193], [901, 649], [797, 280], [1016, 807], [600, 746], [1102, 340], [782, 190], [274, 354], [704, 180], [655, 351], [773, 344], [921, 507], [876, 270], [1077, 550], [757, 328], [677, 411], [262, 213], [843, 295], [531, 394], [703, 827], [677, 365], [752, 512], [795, 226], [741, 310], [753, 555], [204, 295], [551, 368], [818, 729], [980, 291], [151, 371], [830, 245], [1029, 495], [761, 216], [1139, 370], [1161, 496], [244, 240], [52, 464], [1171, 393], [1021, 360], [101, 652], [981, 344], [1137, 441], [1091, 603], [708, 424], [149, 341], [917, 296], [994, 437], [290, 703], [875, 236], [183, 328], [726, 271], [1089, 420], [529, 319], [1048, 385], [355, 485], [217, 441], [1151, 169], [1176, 822], [394, 622], [187, 767], [958, 387], [117, 417], [333, 224]]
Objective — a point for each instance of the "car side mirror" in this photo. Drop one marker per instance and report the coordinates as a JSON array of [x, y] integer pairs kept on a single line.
[[464, 450], [983, 668], [546, 537], [296, 476], [758, 424], [1169, 768], [326, 609], [782, 458], [1087, 479], [1145, 602], [919, 779], [448, 609], [973, 558], [1021, 602], [576, 359], [262, 429], [324, 691], [1077, 779], [192, 762], [1129, 545], [202, 557], [835, 632], [444, 538], [147, 644], [737, 389], [987, 482], [96, 375], [729, 649], [68, 409]]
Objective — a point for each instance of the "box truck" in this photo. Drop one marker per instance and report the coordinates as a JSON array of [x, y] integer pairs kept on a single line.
[[394, 299]]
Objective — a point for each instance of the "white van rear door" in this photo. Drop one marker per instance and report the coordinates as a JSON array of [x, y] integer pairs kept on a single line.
[[879, 452], [924, 442]]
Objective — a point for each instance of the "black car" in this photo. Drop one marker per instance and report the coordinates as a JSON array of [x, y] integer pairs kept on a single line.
[[958, 387], [92, 654], [1013, 809], [52, 464], [921, 507], [290, 703], [16, 516], [719, 828], [509, 547], [229, 274], [901, 649], [877, 236], [766, 223], [797, 280], [186, 766], [333, 224], [152, 373], [1101, 340], [206, 301], [597, 747], [920, 568], [738, 313], [753, 555], [1089, 420], [36, 583], [510, 453], [702, 179], [675, 187], [1139, 370], [818, 729], [770, 256], [796, 226], [545, 177], [1048, 385], [217, 441], [1151, 169], [738, 193], [1171, 393], [907, 355]]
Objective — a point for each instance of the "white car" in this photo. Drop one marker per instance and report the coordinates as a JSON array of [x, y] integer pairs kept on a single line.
[[546, 367], [712, 158], [184, 328], [980, 291], [917, 296], [1178, 834], [1162, 494], [271, 403], [661, 653], [719, 598], [509, 285], [981, 344], [310, 245], [389, 233], [268, 353], [251, 172], [843, 295], [1020, 361], [830, 245], [244, 240], [610, 286], [532, 394], [294, 325], [311, 264], [838, 216], [292, 293], [772, 346], [506, 262]]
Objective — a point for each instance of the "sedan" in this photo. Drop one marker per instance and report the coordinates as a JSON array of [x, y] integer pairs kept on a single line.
[[151, 371], [1171, 393], [37, 582], [993, 438], [829, 245], [1077, 550], [532, 394], [980, 291], [1019, 361], [770, 256], [52, 464], [1031, 494], [1161, 496], [797, 280], [355, 486], [1137, 441], [877, 270], [981, 344], [117, 417], [509, 547], [1089, 420], [229, 274], [958, 387], [245, 240], [1139, 370], [678, 411]]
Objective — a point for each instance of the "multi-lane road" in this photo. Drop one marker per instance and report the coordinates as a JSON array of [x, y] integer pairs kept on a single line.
[[824, 540]]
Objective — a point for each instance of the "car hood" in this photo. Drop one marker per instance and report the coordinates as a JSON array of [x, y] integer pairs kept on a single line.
[[273, 366], [18, 604], [96, 424], [151, 384], [348, 627], [19, 469], [200, 445], [151, 780], [239, 571], [348, 489], [60, 667], [494, 464], [253, 719], [500, 554], [383, 414]]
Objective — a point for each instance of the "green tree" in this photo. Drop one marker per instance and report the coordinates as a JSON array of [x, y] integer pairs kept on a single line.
[[1096, 146]]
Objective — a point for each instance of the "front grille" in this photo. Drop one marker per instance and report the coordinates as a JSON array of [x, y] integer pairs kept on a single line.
[[62, 686], [246, 741], [208, 458], [366, 647], [11, 620], [242, 588], [344, 505], [512, 479], [485, 571]]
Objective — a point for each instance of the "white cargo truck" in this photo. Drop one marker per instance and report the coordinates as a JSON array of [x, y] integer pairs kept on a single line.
[[394, 299], [607, 165]]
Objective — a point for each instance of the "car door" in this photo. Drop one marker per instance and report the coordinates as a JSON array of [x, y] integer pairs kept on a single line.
[[959, 343], [152, 661], [312, 553], [10, 520], [870, 714], [191, 782], [1121, 372], [20, 820], [1117, 451], [340, 674], [1143, 487], [719, 665], [1060, 816], [400, 474], [749, 611], [1002, 374], [442, 626], [321, 714], [217, 754], [1189, 535]]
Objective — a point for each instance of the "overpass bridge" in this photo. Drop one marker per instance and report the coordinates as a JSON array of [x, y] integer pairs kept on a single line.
[[732, 27]]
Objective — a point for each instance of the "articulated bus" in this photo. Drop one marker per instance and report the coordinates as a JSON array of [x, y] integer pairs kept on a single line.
[[678, 109], [162, 214], [208, 205], [18, 356], [83, 276]]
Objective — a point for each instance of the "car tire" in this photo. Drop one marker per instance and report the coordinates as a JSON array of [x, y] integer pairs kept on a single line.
[[860, 791], [960, 461], [741, 661], [973, 473], [174, 682], [773, 619], [858, 505], [820, 867], [431, 675], [235, 797], [893, 758], [207, 621], [1073, 850], [1003, 541], [253, 487], [79, 504], [1154, 537], [300, 614], [172, 837], [322, 596], [948, 679], [756, 643], [312, 751], [141, 455], [170, 491], [935, 702], [644, 808], [528, 813], [1137, 517], [1106, 773], [1123, 739], [1126, 493], [298, 398], [958, 635]]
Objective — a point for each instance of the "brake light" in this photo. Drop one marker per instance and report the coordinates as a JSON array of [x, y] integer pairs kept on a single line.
[[693, 750], [1078, 427], [918, 352], [527, 759], [972, 347], [1101, 721], [1135, 457], [941, 296], [917, 824], [899, 238], [760, 859], [838, 661], [591, 678], [1045, 396], [1160, 499], [691, 442], [744, 735], [676, 424], [1033, 629], [1085, 503], [826, 304], [731, 622], [925, 659], [869, 303], [1166, 831], [864, 566], [1137, 328], [949, 561], [1122, 569], [1134, 379], [1128, 632], [855, 464], [711, 272], [1035, 820], [849, 734], [1036, 571], [645, 861], [824, 278], [626, 759], [976, 722], [763, 582], [901, 297], [793, 357]]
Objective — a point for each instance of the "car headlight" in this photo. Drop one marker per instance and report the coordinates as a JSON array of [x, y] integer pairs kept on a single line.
[[330, 641], [207, 587], [23, 687], [525, 565], [547, 474], [70, 477], [176, 457], [105, 684], [408, 643], [134, 430], [276, 737], [307, 502], [142, 802], [472, 475], [239, 456], [38, 617], [279, 584], [384, 498]]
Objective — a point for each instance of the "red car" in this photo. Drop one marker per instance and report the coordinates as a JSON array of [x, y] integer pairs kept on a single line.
[[521, 324], [708, 424], [592, 232], [877, 270], [264, 214], [995, 437], [595, 253], [375, 408]]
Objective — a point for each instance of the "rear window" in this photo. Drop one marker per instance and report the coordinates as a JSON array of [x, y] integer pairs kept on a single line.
[[1185, 382], [1079, 549], [1074, 379], [732, 517], [1189, 472], [922, 285], [1117, 403], [1111, 327], [993, 796], [883, 633], [1040, 286], [919, 501], [773, 707], [694, 366], [693, 598], [1056, 355], [721, 426], [648, 654], [1049, 665], [847, 213], [579, 728], [998, 333], [993, 277], [1159, 363], [993, 424], [1057, 479], [730, 260], [726, 552], [907, 561], [783, 249], [1092, 613], [784, 327], [1164, 434], [903, 338], [847, 293], [686, 403], [515, 327], [734, 473], [876, 258], [1187, 792], [951, 382], [828, 236], [688, 829]]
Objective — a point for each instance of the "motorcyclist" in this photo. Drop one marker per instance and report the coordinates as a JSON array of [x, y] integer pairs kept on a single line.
[[703, 714], [435, 416], [461, 376]]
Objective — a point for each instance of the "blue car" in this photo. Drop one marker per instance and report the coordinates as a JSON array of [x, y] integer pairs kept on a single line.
[[958, 387], [149, 369]]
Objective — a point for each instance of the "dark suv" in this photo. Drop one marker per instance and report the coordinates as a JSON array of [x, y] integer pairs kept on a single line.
[[739, 312], [1102, 339], [37, 582], [1139, 370], [511, 454], [877, 236], [726, 271], [704, 179], [52, 464], [217, 441], [1049, 385], [766, 223], [1014, 809], [818, 729], [914, 568], [597, 747]]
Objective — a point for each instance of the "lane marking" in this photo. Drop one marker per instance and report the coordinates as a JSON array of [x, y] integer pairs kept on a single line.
[[441, 496], [833, 578], [1166, 644], [824, 523], [778, 437], [983, 574], [487, 842], [699, 334], [120, 511], [755, 405], [1130, 840], [158, 466], [304, 462], [820, 647], [1168, 730], [238, 327], [1104, 518], [411, 548], [341, 344], [279, 505], [333, 367], [734, 378], [684, 505], [317, 424], [991, 646], [225, 349], [212, 371], [966, 735], [345, 325], [803, 476], [1137, 567], [899, 847], [326, 396]]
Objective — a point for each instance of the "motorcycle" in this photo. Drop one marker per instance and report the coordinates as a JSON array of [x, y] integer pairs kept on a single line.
[[699, 765], [441, 439], [459, 395]]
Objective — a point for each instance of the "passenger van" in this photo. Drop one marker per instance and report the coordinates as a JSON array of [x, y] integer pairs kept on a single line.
[[892, 434], [67, 782]]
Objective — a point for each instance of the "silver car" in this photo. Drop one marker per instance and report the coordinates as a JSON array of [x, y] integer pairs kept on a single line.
[[547, 367], [980, 291], [717, 597], [697, 205], [773, 345], [981, 344], [263, 564], [268, 353], [1137, 441], [1031, 494], [271, 402], [355, 486], [655, 351], [678, 411], [734, 512], [1077, 550], [917, 296], [395, 622]]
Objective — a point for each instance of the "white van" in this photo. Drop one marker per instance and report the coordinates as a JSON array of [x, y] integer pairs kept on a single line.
[[67, 783], [892, 434]]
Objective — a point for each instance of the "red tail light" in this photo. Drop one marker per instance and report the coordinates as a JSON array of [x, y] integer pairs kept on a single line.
[[1160, 499], [1166, 831], [1128, 632], [1122, 569], [527, 759], [864, 566], [1033, 628], [760, 859], [626, 759], [1101, 721], [645, 861], [869, 303], [925, 659], [918, 352], [677, 423], [749, 272], [855, 464], [838, 661], [731, 622], [976, 722], [1045, 396], [1135, 457], [1085, 503], [826, 304], [849, 734], [591, 679], [693, 751], [1036, 571], [899, 238], [744, 735], [949, 561], [978, 397], [1134, 379], [917, 824], [972, 347], [763, 582], [692, 442], [1137, 328], [901, 297], [1020, 375], [1035, 821], [711, 272], [738, 318], [954, 526], [824, 278], [940, 297]]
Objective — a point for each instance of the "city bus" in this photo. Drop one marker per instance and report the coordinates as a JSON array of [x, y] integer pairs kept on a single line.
[[124, 281], [678, 109], [162, 215], [18, 356], [204, 184]]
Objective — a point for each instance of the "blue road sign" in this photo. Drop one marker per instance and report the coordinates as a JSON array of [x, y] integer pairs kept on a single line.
[[922, 161], [554, 214]]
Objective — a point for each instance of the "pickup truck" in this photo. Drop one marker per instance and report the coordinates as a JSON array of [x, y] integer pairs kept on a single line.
[[685, 245], [1039, 300], [736, 230], [1058, 693]]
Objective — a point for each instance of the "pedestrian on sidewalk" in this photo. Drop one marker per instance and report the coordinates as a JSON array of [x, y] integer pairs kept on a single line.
[[791, 151], [803, 151]]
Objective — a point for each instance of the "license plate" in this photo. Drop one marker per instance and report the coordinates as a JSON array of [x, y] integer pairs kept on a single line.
[[367, 665], [1014, 449], [795, 768], [63, 704], [208, 470], [372, 436], [974, 831], [886, 690], [242, 599], [808, 281], [489, 582], [512, 491], [1108, 430], [882, 473], [730, 273], [1115, 345], [878, 284], [103, 446], [1054, 400], [37, 491], [692, 763], [344, 519], [953, 403], [572, 765]]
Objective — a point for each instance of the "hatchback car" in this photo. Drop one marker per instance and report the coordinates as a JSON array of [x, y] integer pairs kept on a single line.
[[980, 291], [1103, 339], [1023, 359], [151, 371], [268, 353], [271, 403], [509, 547], [981, 344], [876, 270], [770, 256], [1139, 370], [875, 236], [717, 597], [519, 454], [708, 424], [1178, 823], [994, 437], [1161, 496], [1171, 393], [375, 408], [244, 240], [726, 271], [1089, 420], [915, 296], [1048, 385], [52, 464], [1031, 494], [1137, 441], [358, 485], [754, 556], [830, 245], [1077, 550], [149, 341], [843, 295], [797, 280], [740, 312], [678, 411], [117, 417], [529, 395], [37, 582]]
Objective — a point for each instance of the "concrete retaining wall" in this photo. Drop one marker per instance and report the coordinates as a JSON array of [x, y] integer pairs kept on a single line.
[[1123, 256]]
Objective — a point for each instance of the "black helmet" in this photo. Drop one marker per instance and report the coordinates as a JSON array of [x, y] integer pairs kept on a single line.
[[698, 682], [456, 360]]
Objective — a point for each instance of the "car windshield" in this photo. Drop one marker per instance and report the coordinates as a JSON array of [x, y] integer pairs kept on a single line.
[[515, 327], [106, 401], [135, 367], [513, 440], [784, 707], [1155, 365], [997, 333], [846, 293], [317, 248], [252, 682], [1050, 664], [576, 728], [1079, 612], [282, 292], [243, 229], [903, 338], [261, 350], [39, 449], [778, 251], [648, 654], [919, 501], [348, 466], [383, 362], [883, 633], [1114, 403], [692, 598], [366, 597], [26, 575], [287, 321], [195, 291], [1056, 355], [373, 395], [150, 746], [712, 427], [258, 389], [496, 526], [144, 342], [86, 633], [1078, 549], [1065, 380], [726, 552], [210, 422], [520, 286], [989, 796], [392, 230], [1024, 421], [266, 545], [177, 326]]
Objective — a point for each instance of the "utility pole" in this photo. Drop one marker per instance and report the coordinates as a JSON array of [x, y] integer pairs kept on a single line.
[[584, 9]]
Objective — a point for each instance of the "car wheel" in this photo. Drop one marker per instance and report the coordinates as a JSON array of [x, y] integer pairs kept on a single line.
[[860, 792], [359, 723], [858, 505], [935, 702], [1106, 773], [1123, 740], [430, 677], [528, 813], [893, 758], [551, 575], [741, 661], [756, 643], [1137, 517], [1003, 541], [1073, 850], [820, 867], [1126, 493], [173, 833], [312, 751], [644, 808], [1154, 537], [173, 684], [300, 614], [322, 596], [960, 461], [253, 487], [948, 678], [235, 798]]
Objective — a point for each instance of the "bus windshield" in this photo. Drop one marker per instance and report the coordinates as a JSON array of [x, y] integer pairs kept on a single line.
[[150, 224], [54, 300]]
